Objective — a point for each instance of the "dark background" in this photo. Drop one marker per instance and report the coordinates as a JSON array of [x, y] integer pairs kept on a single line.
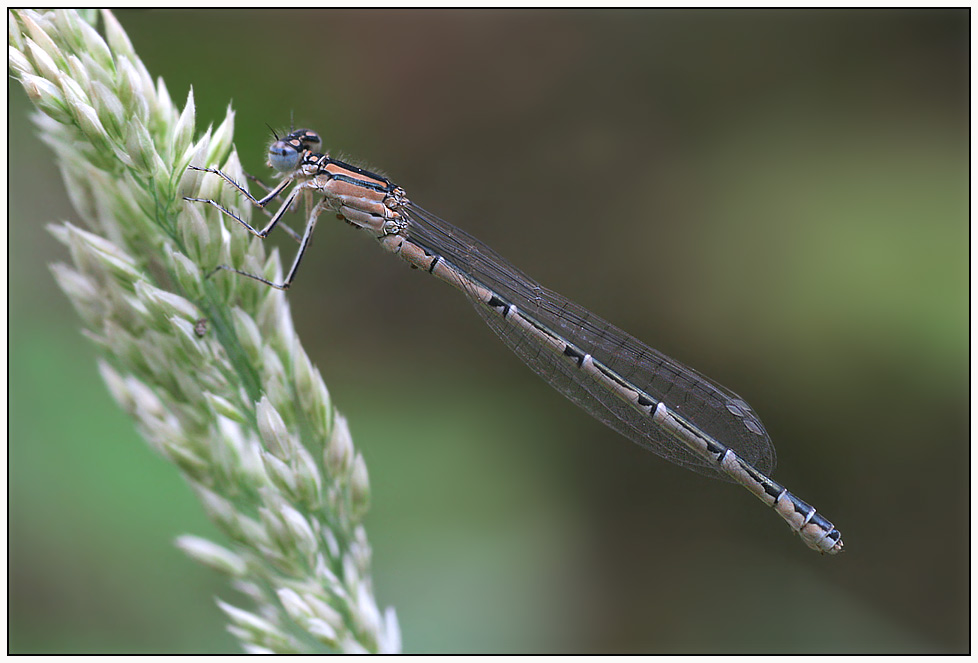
[[776, 198]]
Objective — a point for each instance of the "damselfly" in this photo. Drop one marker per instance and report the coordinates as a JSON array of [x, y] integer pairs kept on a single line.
[[655, 401]]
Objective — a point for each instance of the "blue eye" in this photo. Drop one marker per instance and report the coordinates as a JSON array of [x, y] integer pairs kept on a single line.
[[283, 156]]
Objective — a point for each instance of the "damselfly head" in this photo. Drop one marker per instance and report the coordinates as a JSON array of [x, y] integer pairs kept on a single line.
[[285, 154], [310, 139]]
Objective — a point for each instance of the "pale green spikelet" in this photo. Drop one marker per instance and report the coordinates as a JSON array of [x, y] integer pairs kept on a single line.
[[210, 369]]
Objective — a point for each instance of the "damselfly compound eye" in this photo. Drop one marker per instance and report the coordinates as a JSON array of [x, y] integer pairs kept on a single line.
[[284, 155]]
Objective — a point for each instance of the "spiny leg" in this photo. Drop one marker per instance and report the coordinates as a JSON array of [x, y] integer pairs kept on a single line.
[[272, 194], [263, 233], [303, 245], [267, 212]]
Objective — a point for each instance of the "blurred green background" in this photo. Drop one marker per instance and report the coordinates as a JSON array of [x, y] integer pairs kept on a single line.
[[776, 198]]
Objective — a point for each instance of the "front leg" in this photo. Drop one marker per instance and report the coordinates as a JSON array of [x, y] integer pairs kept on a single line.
[[272, 194], [260, 203], [304, 243]]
